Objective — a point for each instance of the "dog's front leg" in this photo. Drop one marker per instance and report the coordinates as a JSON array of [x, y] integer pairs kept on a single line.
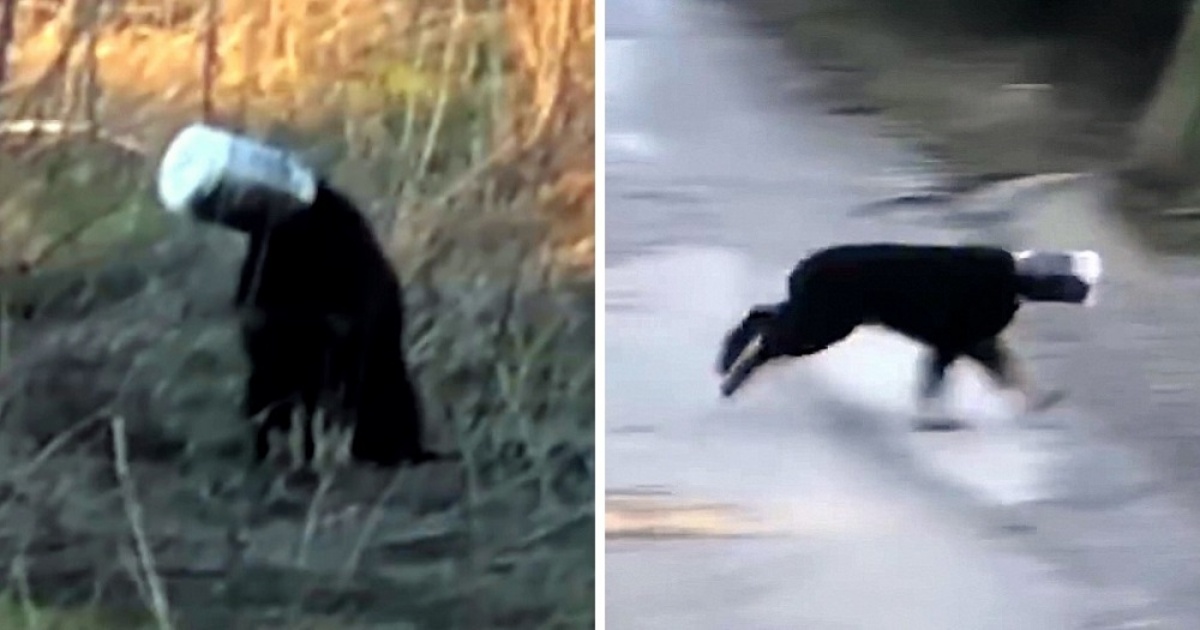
[[1033, 398], [1012, 373]]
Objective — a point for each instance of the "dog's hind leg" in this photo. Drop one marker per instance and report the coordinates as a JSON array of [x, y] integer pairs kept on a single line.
[[791, 330], [736, 341], [931, 413]]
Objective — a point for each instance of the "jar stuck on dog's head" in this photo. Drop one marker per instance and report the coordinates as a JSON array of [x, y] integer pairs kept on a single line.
[[220, 177]]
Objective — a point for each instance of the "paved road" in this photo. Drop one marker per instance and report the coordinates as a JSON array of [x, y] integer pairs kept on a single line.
[[777, 510]]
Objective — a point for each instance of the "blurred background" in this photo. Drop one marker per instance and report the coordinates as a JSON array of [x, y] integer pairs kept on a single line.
[[741, 136], [1069, 86], [466, 130]]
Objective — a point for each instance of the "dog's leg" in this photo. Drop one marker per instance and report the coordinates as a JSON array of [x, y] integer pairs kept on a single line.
[[759, 353], [1010, 373], [738, 340], [931, 412], [264, 403], [792, 331], [754, 356]]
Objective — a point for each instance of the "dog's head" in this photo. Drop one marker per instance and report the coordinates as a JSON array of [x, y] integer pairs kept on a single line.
[[216, 176]]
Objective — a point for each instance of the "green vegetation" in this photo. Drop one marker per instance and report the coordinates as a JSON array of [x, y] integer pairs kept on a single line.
[[467, 131]]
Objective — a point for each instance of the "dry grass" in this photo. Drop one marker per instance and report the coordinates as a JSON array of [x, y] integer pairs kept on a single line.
[[467, 128]]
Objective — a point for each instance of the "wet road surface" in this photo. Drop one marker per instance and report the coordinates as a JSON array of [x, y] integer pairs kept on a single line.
[[774, 510]]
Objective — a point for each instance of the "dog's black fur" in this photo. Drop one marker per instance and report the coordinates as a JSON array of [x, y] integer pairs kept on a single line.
[[322, 315], [956, 300]]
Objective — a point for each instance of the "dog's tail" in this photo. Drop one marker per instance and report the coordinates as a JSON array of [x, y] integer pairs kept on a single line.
[[1065, 277]]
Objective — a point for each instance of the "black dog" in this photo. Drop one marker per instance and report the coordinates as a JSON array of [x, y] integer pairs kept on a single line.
[[956, 300], [322, 311], [322, 322]]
